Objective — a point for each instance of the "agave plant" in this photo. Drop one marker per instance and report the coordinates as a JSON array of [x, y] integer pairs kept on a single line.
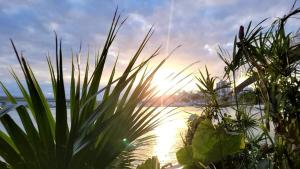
[[98, 134]]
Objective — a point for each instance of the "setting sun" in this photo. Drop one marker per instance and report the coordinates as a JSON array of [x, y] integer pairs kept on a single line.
[[163, 81], [167, 81]]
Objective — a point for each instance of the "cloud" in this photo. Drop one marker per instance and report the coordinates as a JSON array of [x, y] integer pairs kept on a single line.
[[210, 48], [205, 3], [52, 26], [199, 25], [13, 7], [139, 21]]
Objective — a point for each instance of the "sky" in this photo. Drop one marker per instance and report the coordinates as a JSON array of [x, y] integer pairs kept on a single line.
[[199, 26]]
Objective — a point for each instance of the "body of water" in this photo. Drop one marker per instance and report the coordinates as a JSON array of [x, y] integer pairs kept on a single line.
[[170, 133]]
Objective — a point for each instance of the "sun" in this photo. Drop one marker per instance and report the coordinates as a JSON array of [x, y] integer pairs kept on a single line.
[[169, 81], [163, 81]]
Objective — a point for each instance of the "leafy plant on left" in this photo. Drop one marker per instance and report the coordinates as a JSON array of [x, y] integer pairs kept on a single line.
[[99, 134]]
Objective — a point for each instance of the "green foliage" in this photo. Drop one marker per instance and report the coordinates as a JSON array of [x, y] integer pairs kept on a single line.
[[100, 134], [248, 97], [249, 121], [272, 62], [271, 59], [206, 85], [185, 156], [151, 163], [213, 144], [210, 144]]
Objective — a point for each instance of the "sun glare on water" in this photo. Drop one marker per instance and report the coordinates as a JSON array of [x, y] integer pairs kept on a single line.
[[168, 138]]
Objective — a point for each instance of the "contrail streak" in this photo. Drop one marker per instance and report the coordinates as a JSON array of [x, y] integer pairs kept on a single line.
[[169, 25]]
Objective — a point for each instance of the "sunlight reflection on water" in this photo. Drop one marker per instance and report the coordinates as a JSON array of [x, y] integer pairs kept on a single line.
[[169, 135]]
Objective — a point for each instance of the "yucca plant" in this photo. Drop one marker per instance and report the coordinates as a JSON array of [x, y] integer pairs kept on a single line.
[[99, 134]]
